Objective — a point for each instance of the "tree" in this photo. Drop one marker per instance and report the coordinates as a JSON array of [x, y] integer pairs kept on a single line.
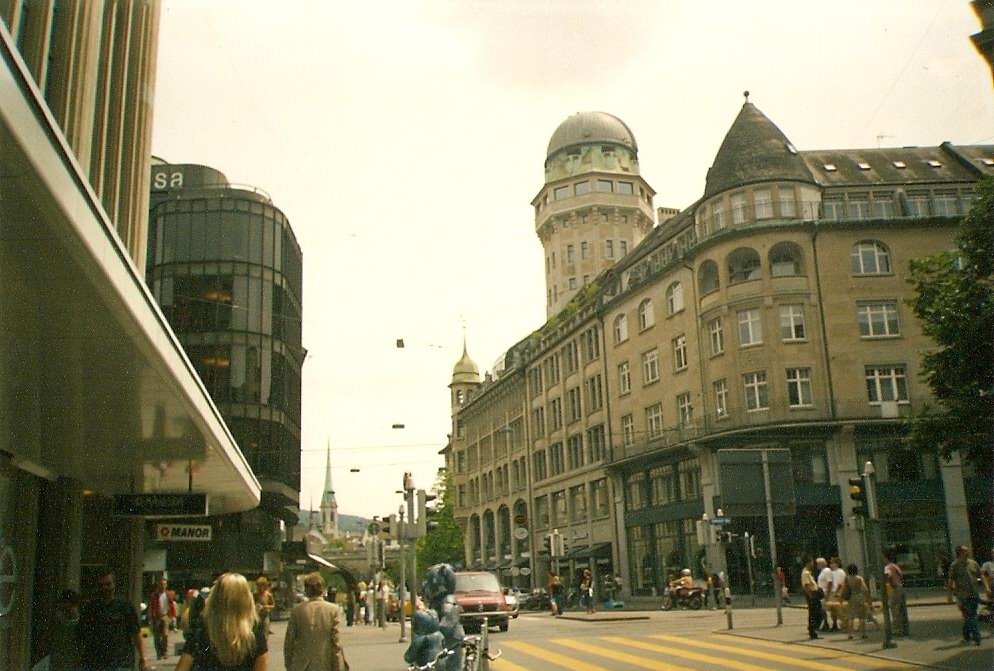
[[955, 303], [444, 544]]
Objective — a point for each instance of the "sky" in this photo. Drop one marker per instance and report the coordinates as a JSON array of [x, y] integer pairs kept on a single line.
[[405, 141]]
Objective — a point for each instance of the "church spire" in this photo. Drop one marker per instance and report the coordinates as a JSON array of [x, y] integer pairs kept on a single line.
[[329, 507]]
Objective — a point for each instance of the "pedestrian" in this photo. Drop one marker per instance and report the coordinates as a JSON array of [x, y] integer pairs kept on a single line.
[[62, 633], [264, 603], [813, 594], [108, 635], [161, 610], [350, 605], [834, 602], [382, 597], [550, 587], [231, 636], [987, 575], [857, 597], [332, 595], [964, 582], [313, 633], [896, 600], [587, 590], [782, 587], [370, 601], [824, 581]]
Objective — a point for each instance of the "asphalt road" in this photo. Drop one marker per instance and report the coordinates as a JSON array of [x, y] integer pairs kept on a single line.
[[681, 640]]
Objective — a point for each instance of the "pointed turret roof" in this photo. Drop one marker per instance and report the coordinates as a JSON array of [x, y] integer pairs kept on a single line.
[[328, 497], [754, 150], [465, 371]]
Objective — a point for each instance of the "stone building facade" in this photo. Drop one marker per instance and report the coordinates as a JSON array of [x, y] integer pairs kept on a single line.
[[769, 313]]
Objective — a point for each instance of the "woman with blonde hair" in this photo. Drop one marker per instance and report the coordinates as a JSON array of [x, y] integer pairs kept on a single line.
[[264, 603], [231, 637]]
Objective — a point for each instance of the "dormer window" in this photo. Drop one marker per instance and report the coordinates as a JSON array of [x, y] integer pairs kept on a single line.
[[830, 167], [863, 165], [933, 163], [989, 162], [900, 165], [791, 148]]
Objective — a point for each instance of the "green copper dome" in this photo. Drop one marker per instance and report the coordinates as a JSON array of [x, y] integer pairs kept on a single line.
[[589, 128]]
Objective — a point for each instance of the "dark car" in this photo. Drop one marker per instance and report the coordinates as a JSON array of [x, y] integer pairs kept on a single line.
[[481, 598]]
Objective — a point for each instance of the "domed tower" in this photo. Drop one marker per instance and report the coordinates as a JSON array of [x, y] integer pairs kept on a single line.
[[465, 381], [594, 207]]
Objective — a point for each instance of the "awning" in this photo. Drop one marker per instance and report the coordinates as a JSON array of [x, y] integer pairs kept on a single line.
[[96, 386], [295, 555], [589, 551]]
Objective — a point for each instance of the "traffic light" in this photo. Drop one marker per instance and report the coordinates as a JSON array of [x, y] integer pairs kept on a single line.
[[424, 524], [388, 527], [725, 537], [857, 492], [547, 540], [563, 546]]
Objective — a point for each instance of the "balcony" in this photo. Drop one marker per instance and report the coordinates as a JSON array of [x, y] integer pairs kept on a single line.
[[712, 425]]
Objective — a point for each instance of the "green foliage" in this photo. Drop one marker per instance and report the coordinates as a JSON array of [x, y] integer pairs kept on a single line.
[[445, 542], [955, 302]]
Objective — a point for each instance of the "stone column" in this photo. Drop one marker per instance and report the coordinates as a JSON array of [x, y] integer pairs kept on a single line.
[[621, 535], [957, 519]]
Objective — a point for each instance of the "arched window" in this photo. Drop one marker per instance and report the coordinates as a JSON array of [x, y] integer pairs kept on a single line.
[[620, 328], [707, 277], [786, 259], [869, 257], [674, 298], [646, 316], [743, 265]]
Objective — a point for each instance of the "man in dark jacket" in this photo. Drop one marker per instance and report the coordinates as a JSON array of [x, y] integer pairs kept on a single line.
[[109, 634]]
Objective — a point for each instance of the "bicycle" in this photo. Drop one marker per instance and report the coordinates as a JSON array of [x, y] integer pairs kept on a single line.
[[475, 649]]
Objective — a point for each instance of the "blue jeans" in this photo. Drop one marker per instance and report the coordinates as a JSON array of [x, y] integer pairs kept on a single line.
[[968, 606]]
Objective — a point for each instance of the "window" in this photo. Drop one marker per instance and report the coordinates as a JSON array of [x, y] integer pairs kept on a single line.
[[635, 491], [718, 214], [574, 408], [557, 461], [859, 206], [562, 192], [799, 387], [791, 322], [832, 208], [684, 409], [743, 265], [572, 283], [595, 394], [788, 202], [625, 187], [917, 204], [609, 249], [620, 329], [539, 466], [679, 352], [716, 338], [720, 398], [555, 414], [750, 327], [599, 503], [662, 485], [886, 383], [578, 503], [756, 393], [654, 419], [595, 443], [583, 249], [591, 344], [571, 357], [689, 474], [552, 369], [785, 259], [707, 277], [869, 257], [646, 316], [763, 202], [674, 298], [945, 204], [650, 367], [627, 430], [877, 319], [559, 508], [538, 421], [574, 451], [604, 186], [883, 205], [581, 188], [569, 253], [624, 378], [535, 381], [623, 247], [738, 208]]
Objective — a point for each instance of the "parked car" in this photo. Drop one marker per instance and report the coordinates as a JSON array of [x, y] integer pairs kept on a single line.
[[481, 599], [393, 607], [513, 602]]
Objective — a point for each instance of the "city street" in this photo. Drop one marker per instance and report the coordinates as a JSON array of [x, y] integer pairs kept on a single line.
[[682, 640]]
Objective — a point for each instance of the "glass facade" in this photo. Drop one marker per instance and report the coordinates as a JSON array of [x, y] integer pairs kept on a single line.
[[226, 270]]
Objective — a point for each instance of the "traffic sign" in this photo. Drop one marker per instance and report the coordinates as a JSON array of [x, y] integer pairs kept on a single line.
[[521, 533], [721, 521]]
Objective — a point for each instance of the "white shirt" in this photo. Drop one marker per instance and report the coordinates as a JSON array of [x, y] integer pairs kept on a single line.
[[838, 579], [988, 568], [825, 580]]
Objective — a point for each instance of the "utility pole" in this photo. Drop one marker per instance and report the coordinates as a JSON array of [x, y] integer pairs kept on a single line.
[[874, 549], [401, 532], [409, 498], [770, 529]]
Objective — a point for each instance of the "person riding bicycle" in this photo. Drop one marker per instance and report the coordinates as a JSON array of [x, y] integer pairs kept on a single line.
[[681, 586]]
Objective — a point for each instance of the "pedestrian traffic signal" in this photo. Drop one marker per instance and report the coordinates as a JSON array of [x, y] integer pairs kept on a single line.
[[857, 492], [563, 546], [547, 540]]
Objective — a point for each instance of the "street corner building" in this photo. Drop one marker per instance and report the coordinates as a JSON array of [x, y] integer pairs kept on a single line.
[[97, 399], [225, 268], [770, 313]]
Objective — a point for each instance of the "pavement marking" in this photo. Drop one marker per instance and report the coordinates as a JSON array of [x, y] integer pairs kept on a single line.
[[551, 657], [619, 656], [711, 660], [501, 664], [802, 663], [859, 659]]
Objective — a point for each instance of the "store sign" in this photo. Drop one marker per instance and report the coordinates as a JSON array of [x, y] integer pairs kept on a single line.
[[183, 532], [161, 505], [521, 533]]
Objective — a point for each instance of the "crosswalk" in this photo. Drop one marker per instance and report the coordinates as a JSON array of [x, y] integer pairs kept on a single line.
[[663, 652]]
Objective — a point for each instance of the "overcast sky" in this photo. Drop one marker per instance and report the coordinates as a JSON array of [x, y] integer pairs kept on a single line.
[[405, 140]]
